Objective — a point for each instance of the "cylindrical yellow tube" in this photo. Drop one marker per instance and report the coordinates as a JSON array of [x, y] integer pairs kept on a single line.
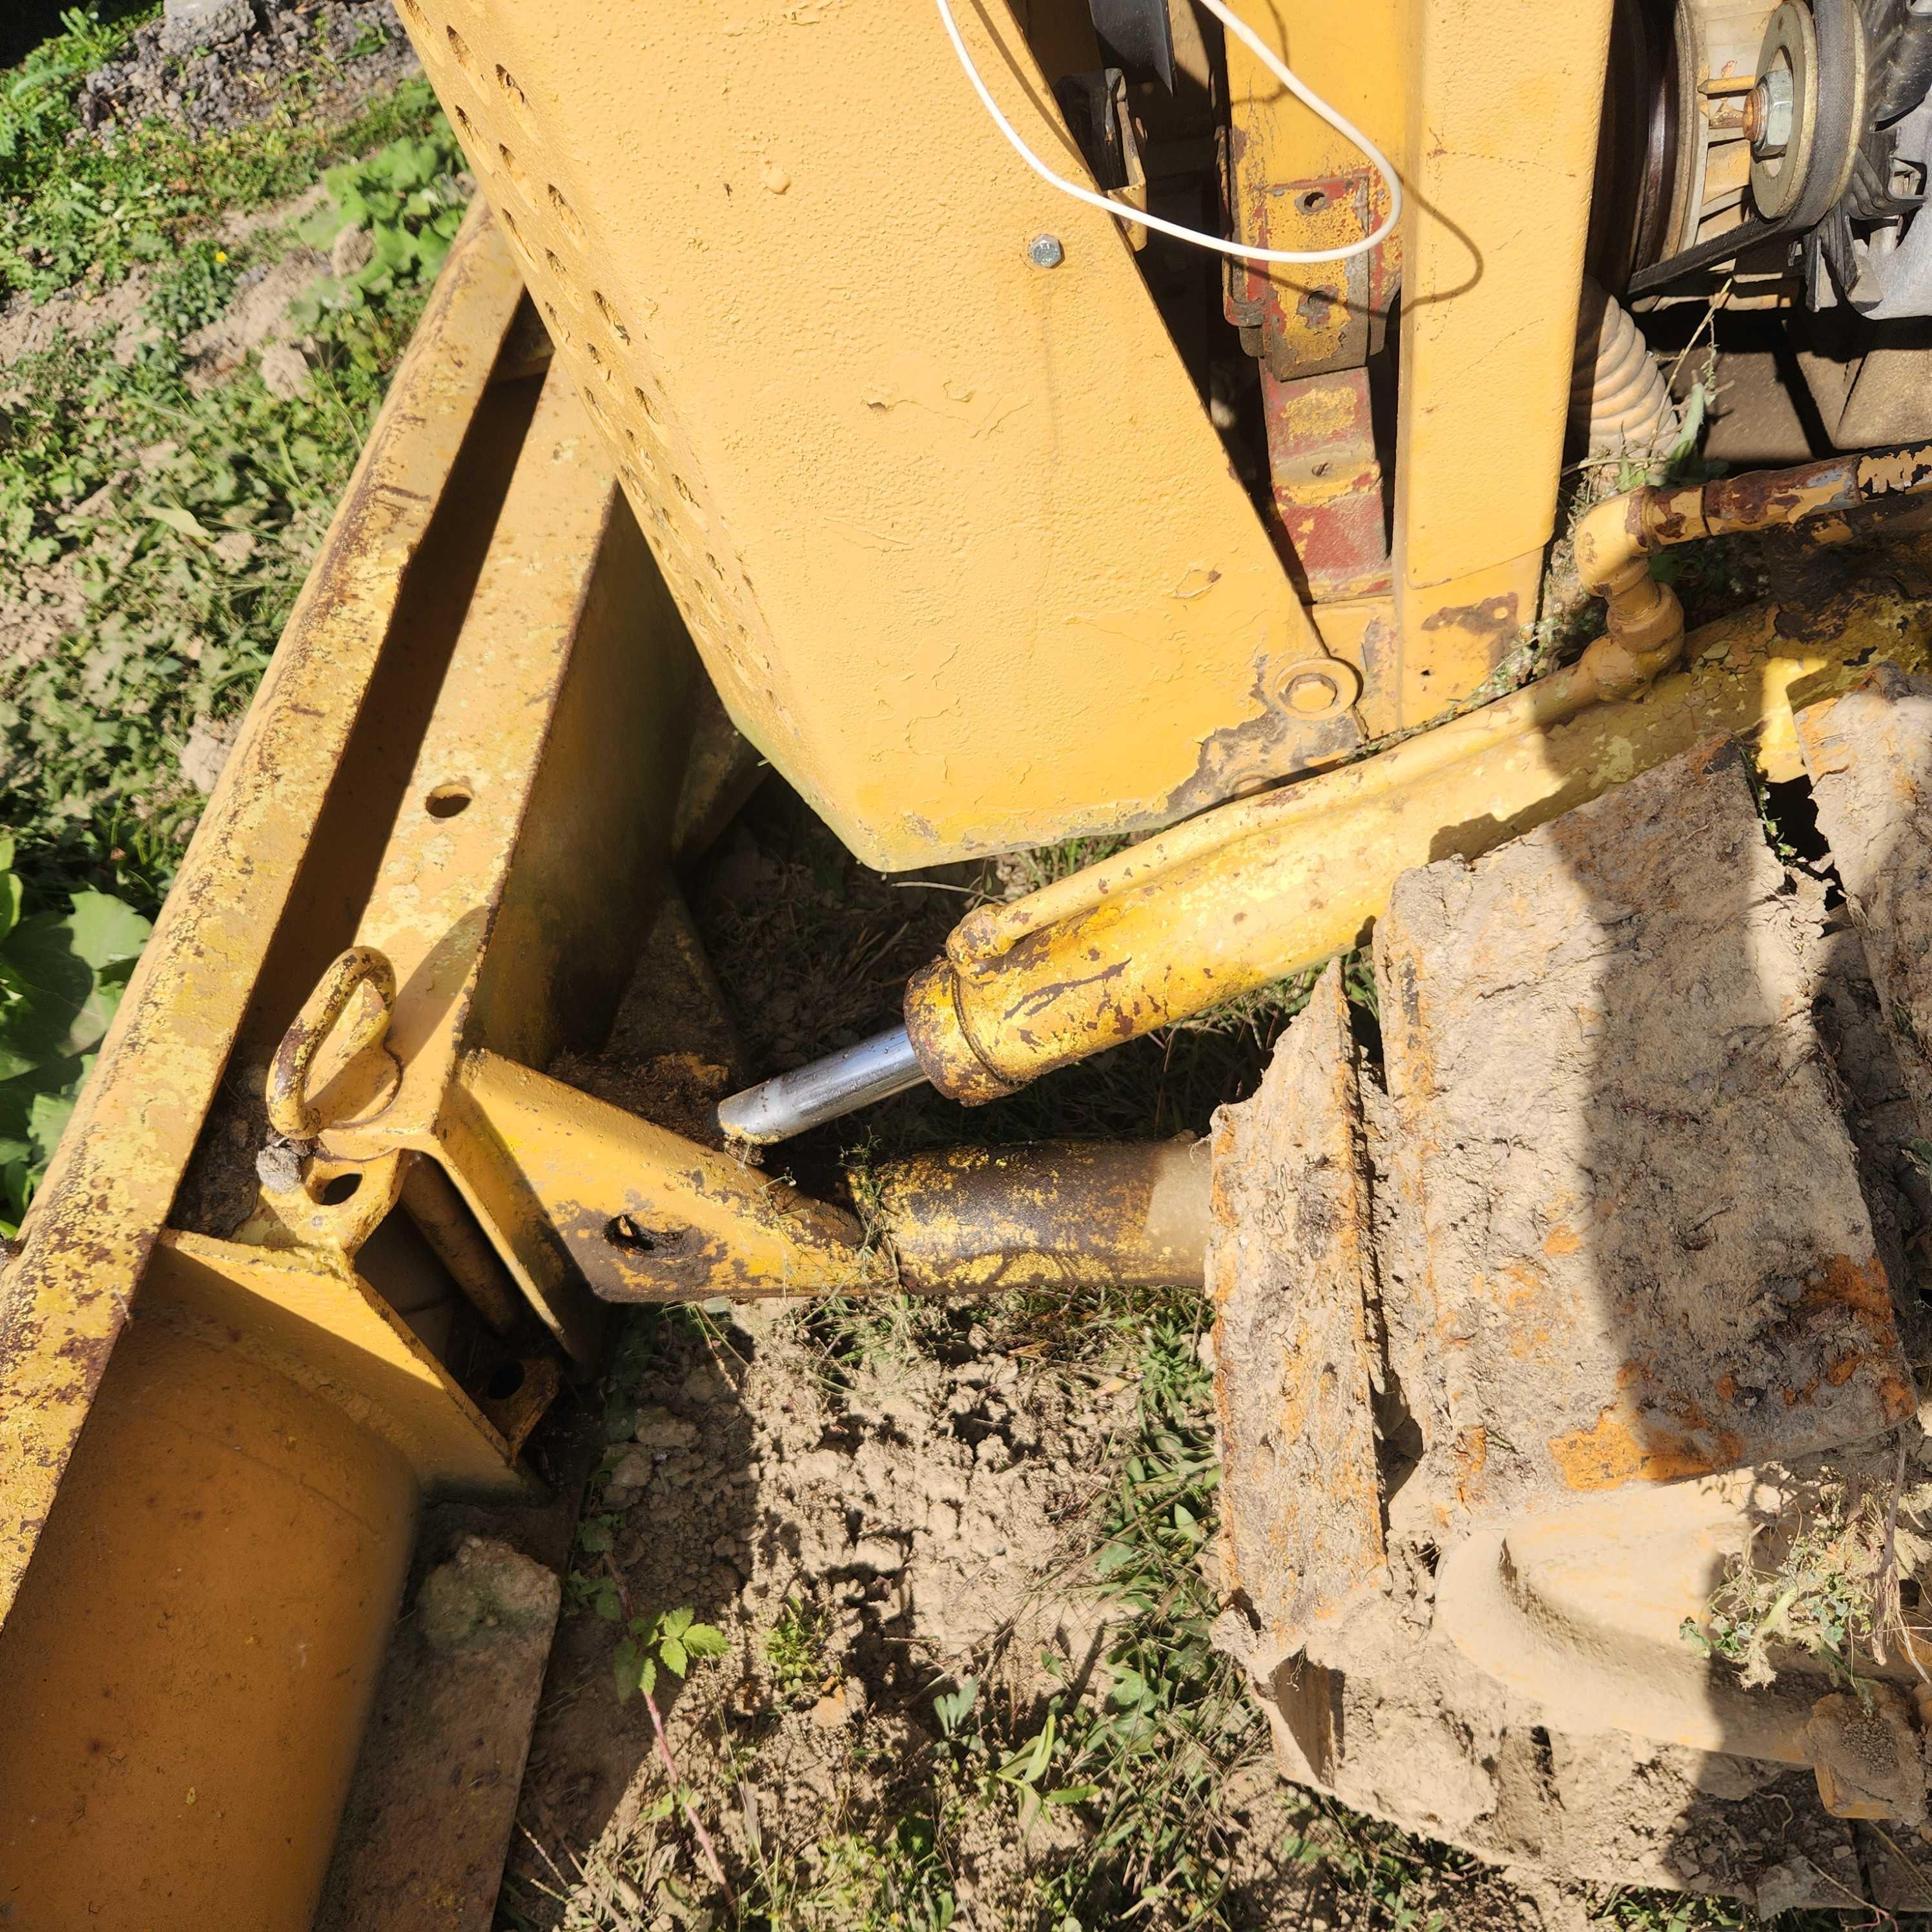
[[1314, 863]]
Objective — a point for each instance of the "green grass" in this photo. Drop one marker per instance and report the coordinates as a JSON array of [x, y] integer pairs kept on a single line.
[[1146, 1763], [37, 97], [188, 516], [171, 518], [84, 214]]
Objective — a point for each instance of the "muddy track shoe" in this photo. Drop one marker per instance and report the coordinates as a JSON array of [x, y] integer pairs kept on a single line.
[[1564, 1402]]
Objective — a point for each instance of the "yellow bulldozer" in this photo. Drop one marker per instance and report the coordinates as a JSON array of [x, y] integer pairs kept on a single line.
[[1264, 442]]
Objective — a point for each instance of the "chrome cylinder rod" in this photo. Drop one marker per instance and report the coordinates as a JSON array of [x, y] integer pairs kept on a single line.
[[840, 1083]]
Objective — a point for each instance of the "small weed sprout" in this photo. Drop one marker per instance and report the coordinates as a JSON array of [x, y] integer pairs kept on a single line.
[[898, 1884], [194, 289], [671, 1639], [794, 1649], [1823, 1597], [408, 198]]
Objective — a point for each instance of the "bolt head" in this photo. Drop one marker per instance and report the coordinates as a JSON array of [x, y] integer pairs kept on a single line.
[[1044, 251], [1770, 113], [1312, 693]]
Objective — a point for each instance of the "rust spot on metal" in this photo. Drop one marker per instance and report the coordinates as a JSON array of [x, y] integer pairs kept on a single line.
[[1269, 744], [1860, 1286], [1761, 497], [1494, 619], [1623, 1445]]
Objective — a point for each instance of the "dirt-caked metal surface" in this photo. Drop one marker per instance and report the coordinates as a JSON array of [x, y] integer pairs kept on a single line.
[[1292, 1284], [1869, 757], [1621, 1311]]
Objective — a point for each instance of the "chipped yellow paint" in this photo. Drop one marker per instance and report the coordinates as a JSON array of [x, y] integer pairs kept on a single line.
[[499, 884], [645, 1214]]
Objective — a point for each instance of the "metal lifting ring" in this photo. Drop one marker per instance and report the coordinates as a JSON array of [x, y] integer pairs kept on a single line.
[[291, 1113]]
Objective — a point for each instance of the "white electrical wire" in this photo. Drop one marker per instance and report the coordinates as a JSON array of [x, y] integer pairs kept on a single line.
[[1277, 66]]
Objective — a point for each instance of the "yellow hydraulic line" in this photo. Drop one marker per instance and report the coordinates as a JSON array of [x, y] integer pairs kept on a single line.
[[1297, 875], [1613, 543], [1256, 890]]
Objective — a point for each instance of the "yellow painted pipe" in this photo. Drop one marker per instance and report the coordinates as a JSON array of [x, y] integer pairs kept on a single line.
[[1614, 541], [1057, 1214], [1265, 888]]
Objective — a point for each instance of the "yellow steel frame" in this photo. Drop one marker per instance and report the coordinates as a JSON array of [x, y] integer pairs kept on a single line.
[[98, 1215], [222, 1559], [199, 1584], [1491, 115]]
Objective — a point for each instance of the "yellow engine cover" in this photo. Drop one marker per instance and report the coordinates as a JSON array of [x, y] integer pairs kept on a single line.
[[959, 545]]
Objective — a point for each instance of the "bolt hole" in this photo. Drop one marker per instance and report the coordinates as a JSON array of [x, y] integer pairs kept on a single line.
[[504, 1383], [611, 315], [624, 1232], [1311, 200], [447, 800], [564, 212], [627, 1231], [337, 1188]]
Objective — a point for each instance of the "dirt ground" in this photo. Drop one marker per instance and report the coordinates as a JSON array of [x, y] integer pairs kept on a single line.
[[883, 1510]]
